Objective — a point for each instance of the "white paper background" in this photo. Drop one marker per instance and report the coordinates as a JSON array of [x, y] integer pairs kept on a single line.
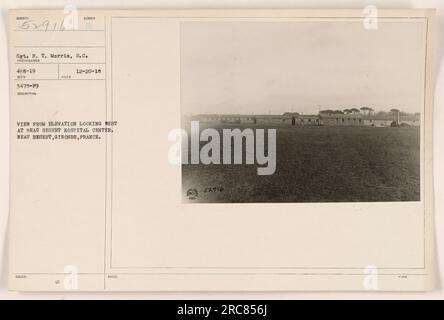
[[438, 293]]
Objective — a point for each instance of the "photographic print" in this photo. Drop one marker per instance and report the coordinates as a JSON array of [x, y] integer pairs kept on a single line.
[[302, 111], [221, 150]]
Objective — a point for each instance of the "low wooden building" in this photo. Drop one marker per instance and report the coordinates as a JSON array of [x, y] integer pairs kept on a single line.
[[307, 120], [380, 120], [410, 120], [323, 119], [274, 119], [335, 119]]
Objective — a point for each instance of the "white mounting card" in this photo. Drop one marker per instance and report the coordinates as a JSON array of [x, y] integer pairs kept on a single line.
[[221, 150]]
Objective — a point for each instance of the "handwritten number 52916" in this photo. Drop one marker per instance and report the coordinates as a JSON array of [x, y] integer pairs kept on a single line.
[[45, 25]]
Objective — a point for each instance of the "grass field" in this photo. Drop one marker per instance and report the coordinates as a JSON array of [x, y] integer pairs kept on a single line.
[[320, 164]]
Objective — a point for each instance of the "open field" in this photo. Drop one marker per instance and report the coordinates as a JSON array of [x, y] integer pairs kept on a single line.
[[319, 164]]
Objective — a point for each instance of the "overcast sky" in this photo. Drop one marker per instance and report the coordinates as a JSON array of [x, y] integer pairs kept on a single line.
[[275, 67]]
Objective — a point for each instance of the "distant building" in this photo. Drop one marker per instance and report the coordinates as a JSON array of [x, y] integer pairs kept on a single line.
[[206, 118], [324, 118], [410, 120], [307, 120], [380, 120], [274, 119], [350, 119]]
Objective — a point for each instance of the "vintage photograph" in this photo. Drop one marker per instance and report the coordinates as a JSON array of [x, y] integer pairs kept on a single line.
[[257, 152], [316, 110]]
